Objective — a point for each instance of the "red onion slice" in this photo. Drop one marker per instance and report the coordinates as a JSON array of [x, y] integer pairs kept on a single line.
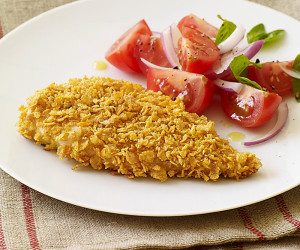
[[167, 42], [156, 34], [175, 34], [233, 87], [249, 50], [252, 49], [290, 72], [222, 67], [282, 115], [151, 65], [232, 40]]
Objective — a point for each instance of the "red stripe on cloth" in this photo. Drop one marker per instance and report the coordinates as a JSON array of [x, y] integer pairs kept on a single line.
[[29, 219], [1, 31], [249, 225], [2, 240], [286, 212]]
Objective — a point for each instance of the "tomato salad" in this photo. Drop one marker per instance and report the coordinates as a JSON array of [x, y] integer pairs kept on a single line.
[[194, 60]]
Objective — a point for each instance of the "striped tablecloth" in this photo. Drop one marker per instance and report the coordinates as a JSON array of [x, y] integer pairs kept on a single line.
[[31, 220]]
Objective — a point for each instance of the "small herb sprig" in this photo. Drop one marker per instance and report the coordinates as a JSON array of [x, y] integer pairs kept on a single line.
[[225, 30], [239, 67], [258, 32], [296, 81]]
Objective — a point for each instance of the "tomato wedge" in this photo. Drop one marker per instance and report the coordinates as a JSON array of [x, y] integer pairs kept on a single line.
[[272, 78], [121, 53], [201, 25], [150, 48], [251, 107], [197, 52], [195, 89]]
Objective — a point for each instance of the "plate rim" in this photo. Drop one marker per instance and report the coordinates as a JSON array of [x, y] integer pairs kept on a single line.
[[15, 176]]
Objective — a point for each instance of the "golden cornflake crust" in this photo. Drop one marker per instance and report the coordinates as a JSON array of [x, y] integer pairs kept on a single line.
[[118, 125]]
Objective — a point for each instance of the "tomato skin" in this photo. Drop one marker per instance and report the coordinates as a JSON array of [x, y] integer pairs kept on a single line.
[[201, 25], [121, 54], [251, 107], [272, 78], [197, 52], [150, 48], [195, 89]]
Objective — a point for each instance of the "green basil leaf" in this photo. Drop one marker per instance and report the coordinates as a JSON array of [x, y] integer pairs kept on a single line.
[[273, 36], [256, 33], [225, 30], [249, 82], [239, 67], [296, 81]]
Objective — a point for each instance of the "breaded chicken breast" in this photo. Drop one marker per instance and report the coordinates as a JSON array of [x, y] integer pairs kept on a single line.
[[120, 126]]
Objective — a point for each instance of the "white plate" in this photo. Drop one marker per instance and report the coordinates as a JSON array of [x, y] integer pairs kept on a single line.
[[65, 42]]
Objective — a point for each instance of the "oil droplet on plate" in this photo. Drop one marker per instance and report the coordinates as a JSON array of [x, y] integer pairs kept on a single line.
[[236, 136], [100, 65]]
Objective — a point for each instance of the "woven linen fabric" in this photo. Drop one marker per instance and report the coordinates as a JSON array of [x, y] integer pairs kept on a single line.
[[31, 220]]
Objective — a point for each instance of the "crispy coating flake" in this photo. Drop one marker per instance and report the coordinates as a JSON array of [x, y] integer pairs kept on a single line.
[[119, 125]]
